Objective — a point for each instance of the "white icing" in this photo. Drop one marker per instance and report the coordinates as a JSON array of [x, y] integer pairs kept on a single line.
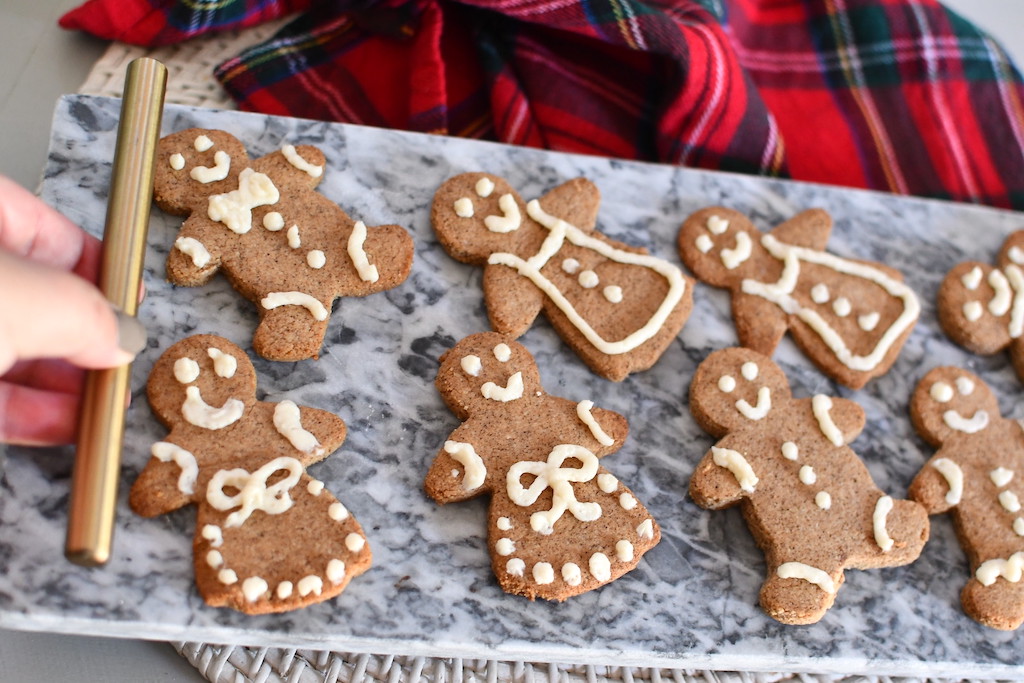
[[588, 279], [510, 219], [749, 371], [510, 392], [366, 271], [471, 365], [820, 293], [212, 533], [790, 451], [716, 224], [732, 258], [727, 383], [198, 413], [211, 174], [613, 293], [1002, 296], [296, 160], [954, 477], [186, 370], [194, 249], [823, 500], [645, 529], [505, 547], [227, 576], [1001, 476], [294, 239], [316, 259], [965, 386], [253, 492], [177, 161], [572, 574], [335, 571], [315, 487], [463, 207], [273, 221], [503, 523], [337, 512], [821, 406], [570, 265], [1016, 255], [807, 475], [354, 542], [284, 590], [288, 423], [973, 310], [254, 588], [624, 551], [1016, 279], [543, 573], [607, 482], [484, 187], [704, 243], [627, 501], [1009, 501], [214, 559], [842, 307], [738, 465], [972, 279], [202, 143], [234, 209], [882, 508], [224, 364], [1018, 526], [780, 293], [799, 570], [560, 479], [583, 412], [971, 425], [1010, 569], [600, 567], [868, 321], [502, 352], [560, 231], [764, 405], [941, 392], [315, 308], [472, 464], [515, 567], [310, 584], [165, 451]]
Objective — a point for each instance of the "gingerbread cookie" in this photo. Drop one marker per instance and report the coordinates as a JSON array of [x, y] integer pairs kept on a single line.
[[282, 245], [617, 306], [976, 475], [851, 318], [269, 537], [807, 498], [559, 524], [981, 307]]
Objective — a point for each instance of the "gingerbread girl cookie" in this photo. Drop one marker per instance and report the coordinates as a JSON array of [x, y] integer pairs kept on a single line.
[[976, 476], [807, 498], [981, 307], [559, 524], [282, 245], [851, 318], [617, 306], [269, 537]]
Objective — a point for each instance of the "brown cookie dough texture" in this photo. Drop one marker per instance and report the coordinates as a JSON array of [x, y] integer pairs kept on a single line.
[[981, 307], [282, 245], [559, 524], [977, 476], [807, 498], [269, 537], [615, 305], [850, 317]]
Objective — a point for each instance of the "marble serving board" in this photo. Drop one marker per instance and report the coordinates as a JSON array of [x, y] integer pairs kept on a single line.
[[691, 602]]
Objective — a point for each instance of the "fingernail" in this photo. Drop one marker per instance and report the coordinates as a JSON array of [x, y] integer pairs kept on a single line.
[[131, 334]]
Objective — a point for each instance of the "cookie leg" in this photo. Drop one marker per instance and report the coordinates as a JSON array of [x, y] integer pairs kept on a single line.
[[289, 333], [796, 600], [999, 606]]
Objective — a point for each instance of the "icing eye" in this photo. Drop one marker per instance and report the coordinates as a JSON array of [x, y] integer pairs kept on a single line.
[[972, 279], [704, 243], [177, 161], [965, 386], [186, 370], [224, 364], [717, 225], [973, 310], [471, 365], [941, 392], [484, 187], [202, 143], [749, 371], [464, 207], [726, 383], [502, 352]]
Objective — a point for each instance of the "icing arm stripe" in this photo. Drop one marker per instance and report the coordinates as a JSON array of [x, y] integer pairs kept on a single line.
[[799, 570], [738, 465], [583, 409], [367, 271], [288, 423], [194, 249], [882, 508], [954, 477], [165, 451], [1016, 279], [821, 405], [473, 464], [1010, 569], [296, 160], [275, 299]]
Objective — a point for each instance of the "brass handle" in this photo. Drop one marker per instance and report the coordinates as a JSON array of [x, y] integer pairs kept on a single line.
[[104, 402]]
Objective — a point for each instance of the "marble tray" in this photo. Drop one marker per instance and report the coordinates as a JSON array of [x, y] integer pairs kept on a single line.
[[691, 603]]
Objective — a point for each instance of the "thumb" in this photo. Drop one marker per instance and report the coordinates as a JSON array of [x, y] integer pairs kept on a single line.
[[49, 313]]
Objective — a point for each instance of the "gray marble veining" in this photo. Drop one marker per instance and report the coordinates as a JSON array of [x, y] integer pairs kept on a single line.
[[692, 600]]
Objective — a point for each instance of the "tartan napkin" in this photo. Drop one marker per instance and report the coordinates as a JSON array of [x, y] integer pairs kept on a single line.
[[903, 96]]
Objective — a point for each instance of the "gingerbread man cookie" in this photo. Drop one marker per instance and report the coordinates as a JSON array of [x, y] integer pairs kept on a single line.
[[617, 306], [282, 245], [981, 307], [851, 318], [559, 524], [807, 498], [977, 475], [269, 537]]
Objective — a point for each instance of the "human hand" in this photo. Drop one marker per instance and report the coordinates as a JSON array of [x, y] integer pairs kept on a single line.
[[54, 322]]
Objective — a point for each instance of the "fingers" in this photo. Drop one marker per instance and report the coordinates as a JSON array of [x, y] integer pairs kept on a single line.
[[31, 417], [49, 313]]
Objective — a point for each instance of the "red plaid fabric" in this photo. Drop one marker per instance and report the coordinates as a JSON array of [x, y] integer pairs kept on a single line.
[[895, 95]]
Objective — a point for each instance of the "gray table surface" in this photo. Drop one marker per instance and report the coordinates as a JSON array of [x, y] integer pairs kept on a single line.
[[40, 62]]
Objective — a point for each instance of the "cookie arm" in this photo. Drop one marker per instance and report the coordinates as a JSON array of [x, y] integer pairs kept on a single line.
[[194, 258], [458, 471], [327, 428], [938, 484], [848, 416], [760, 324], [810, 229], [389, 249], [607, 425], [715, 487], [512, 300], [167, 482], [575, 201]]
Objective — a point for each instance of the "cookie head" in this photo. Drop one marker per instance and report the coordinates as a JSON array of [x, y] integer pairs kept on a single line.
[[1012, 251], [736, 387], [721, 246], [193, 164], [478, 214], [203, 381], [975, 307], [484, 371], [950, 401]]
